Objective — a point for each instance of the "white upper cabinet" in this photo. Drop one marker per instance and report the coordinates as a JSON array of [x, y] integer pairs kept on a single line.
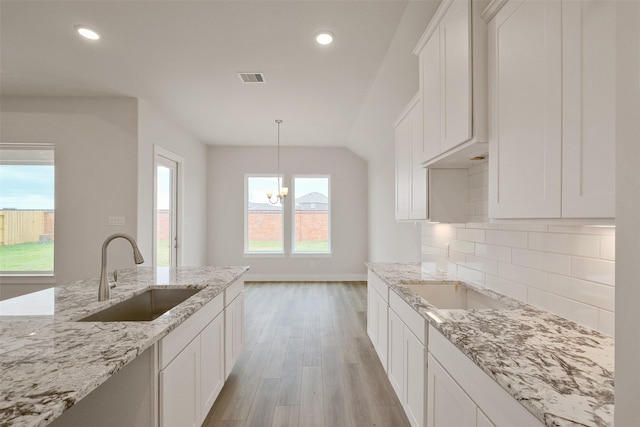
[[411, 177], [589, 109], [551, 77], [525, 150], [452, 54]]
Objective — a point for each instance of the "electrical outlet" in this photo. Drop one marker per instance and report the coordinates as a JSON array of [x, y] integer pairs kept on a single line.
[[116, 220], [446, 250]]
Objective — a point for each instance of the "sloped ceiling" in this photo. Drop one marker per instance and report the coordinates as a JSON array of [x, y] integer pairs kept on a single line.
[[182, 57]]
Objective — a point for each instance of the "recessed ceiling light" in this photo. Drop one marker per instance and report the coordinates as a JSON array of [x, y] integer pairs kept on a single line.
[[88, 33], [324, 37]]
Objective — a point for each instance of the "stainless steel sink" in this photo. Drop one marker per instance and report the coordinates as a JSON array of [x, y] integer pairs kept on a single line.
[[146, 306], [454, 296]]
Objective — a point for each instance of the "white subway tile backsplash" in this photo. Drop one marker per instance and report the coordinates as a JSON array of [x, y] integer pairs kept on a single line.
[[581, 313], [526, 276], [608, 247], [482, 264], [506, 287], [478, 194], [479, 179], [443, 230], [565, 269], [601, 296], [602, 231], [482, 225], [546, 261], [463, 246], [471, 234], [594, 270], [607, 322], [472, 276], [523, 227], [456, 257], [436, 242], [514, 239], [498, 253], [571, 244]]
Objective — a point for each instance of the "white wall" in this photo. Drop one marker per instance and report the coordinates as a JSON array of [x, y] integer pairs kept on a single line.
[[389, 240], [396, 83], [96, 160], [627, 208], [227, 168], [156, 128]]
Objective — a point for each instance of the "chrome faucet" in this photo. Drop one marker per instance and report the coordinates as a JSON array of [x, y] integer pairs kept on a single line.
[[104, 291]]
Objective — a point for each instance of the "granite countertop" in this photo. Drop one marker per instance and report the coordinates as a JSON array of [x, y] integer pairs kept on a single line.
[[48, 361], [563, 373]]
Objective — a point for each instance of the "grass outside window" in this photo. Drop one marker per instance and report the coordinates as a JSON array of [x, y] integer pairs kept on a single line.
[[32, 257]]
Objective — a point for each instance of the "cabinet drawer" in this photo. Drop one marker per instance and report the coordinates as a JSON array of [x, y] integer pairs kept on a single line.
[[233, 291], [378, 284], [415, 322], [178, 339]]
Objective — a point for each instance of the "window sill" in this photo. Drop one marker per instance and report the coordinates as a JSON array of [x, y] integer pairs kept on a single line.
[[311, 255], [263, 255], [27, 278]]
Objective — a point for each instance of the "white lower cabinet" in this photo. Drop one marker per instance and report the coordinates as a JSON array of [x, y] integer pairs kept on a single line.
[[180, 389], [407, 359], [377, 312], [396, 371], [195, 359], [234, 338], [460, 394], [415, 372], [212, 362]]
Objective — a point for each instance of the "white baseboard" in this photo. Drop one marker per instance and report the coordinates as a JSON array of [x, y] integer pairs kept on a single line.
[[305, 277]]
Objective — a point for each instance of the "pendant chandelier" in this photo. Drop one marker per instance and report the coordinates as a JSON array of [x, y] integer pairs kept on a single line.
[[282, 192]]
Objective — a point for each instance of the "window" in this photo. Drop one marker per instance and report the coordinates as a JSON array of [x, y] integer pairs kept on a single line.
[[26, 209], [263, 220], [312, 225]]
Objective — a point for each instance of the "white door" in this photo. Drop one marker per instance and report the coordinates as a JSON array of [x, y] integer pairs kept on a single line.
[[166, 211]]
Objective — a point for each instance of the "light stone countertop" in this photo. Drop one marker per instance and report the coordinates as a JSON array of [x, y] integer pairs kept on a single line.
[[48, 361], [563, 373]]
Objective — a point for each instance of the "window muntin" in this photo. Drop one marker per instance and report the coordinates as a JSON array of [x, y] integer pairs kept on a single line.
[[311, 232], [264, 222], [27, 216]]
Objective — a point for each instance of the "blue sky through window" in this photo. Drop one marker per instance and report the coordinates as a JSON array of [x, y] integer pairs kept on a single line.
[[27, 187]]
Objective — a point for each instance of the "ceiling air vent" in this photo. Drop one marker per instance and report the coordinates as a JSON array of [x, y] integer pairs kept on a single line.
[[251, 77]]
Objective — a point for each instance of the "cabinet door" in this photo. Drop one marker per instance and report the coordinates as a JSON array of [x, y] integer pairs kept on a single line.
[[482, 420], [396, 355], [403, 168], [180, 389], [233, 327], [211, 363], [431, 94], [455, 46], [526, 111], [418, 197], [589, 108], [372, 316], [415, 357], [448, 405], [382, 338]]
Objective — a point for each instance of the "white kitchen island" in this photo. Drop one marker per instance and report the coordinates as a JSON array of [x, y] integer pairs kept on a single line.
[[53, 366]]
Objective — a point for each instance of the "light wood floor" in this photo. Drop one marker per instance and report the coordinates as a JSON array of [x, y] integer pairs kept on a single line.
[[307, 361]]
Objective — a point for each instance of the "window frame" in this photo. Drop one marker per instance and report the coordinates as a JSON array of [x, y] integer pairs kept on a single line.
[[260, 254], [310, 254], [31, 276]]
